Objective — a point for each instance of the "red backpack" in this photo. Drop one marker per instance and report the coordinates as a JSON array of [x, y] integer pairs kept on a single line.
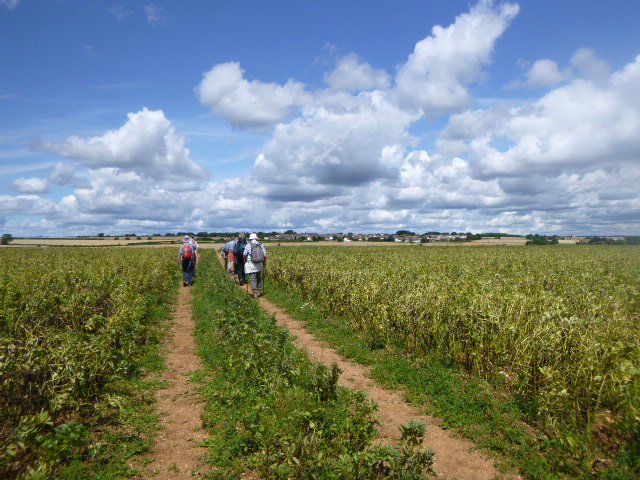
[[187, 251]]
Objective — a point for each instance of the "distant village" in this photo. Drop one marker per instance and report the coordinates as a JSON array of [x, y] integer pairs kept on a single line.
[[372, 237]]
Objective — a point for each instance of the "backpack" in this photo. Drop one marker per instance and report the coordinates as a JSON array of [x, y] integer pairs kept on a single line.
[[239, 249], [257, 255], [187, 251]]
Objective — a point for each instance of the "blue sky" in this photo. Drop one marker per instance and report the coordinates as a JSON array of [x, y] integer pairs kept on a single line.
[[326, 116]]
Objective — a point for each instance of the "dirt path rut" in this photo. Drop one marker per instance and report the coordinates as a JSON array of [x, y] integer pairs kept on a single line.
[[176, 455]]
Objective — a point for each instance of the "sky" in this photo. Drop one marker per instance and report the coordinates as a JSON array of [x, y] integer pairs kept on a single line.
[[363, 116]]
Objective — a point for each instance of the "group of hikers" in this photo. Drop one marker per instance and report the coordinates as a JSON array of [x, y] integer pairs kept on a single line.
[[242, 258]]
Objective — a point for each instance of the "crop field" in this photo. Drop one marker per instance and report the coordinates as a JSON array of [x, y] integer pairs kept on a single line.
[[558, 328], [73, 321]]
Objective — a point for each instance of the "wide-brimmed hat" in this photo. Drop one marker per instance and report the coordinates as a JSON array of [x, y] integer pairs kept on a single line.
[[187, 238], [253, 236], [241, 235]]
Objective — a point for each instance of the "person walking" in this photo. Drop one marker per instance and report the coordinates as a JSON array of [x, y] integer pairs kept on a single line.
[[196, 247], [241, 243], [229, 254], [255, 256], [186, 256]]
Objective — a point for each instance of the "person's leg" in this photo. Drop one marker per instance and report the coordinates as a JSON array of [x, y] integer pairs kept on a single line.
[[241, 275], [254, 284], [185, 271]]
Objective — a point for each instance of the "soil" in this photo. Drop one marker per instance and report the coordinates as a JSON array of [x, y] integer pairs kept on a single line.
[[177, 455]]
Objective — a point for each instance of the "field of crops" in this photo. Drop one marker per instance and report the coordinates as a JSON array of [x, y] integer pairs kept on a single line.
[[72, 322], [558, 327]]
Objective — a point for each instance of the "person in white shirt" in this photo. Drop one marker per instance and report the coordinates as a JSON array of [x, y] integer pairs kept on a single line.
[[254, 263]]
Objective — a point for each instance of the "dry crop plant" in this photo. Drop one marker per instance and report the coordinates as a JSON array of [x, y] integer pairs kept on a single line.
[[556, 326], [71, 322]]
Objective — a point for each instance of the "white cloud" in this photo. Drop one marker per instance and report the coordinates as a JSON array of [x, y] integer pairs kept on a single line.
[[248, 104], [26, 205], [545, 73], [590, 66], [147, 144], [437, 73], [31, 185], [352, 75], [334, 145], [577, 127]]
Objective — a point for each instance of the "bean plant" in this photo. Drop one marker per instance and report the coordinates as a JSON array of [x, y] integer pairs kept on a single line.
[[558, 327], [72, 323]]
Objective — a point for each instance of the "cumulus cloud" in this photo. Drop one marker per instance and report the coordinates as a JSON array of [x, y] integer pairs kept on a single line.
[[27, 205], [580, 126], [31, 185], [335, 145], [248, 104], [351, 74], [545, 73], [147, 145], [587, 64], [436, 75]]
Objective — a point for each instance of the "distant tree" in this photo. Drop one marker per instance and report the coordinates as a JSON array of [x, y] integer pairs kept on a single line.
[[290, 232], [6, 239], [405, 232], [202, 234], [390, 238], [101, 235], [541, 240]]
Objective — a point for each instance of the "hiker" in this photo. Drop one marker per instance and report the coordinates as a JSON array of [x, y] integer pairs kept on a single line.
[[196, 247], [241, 243], [186, 260], [255, 256], [229, 252]]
